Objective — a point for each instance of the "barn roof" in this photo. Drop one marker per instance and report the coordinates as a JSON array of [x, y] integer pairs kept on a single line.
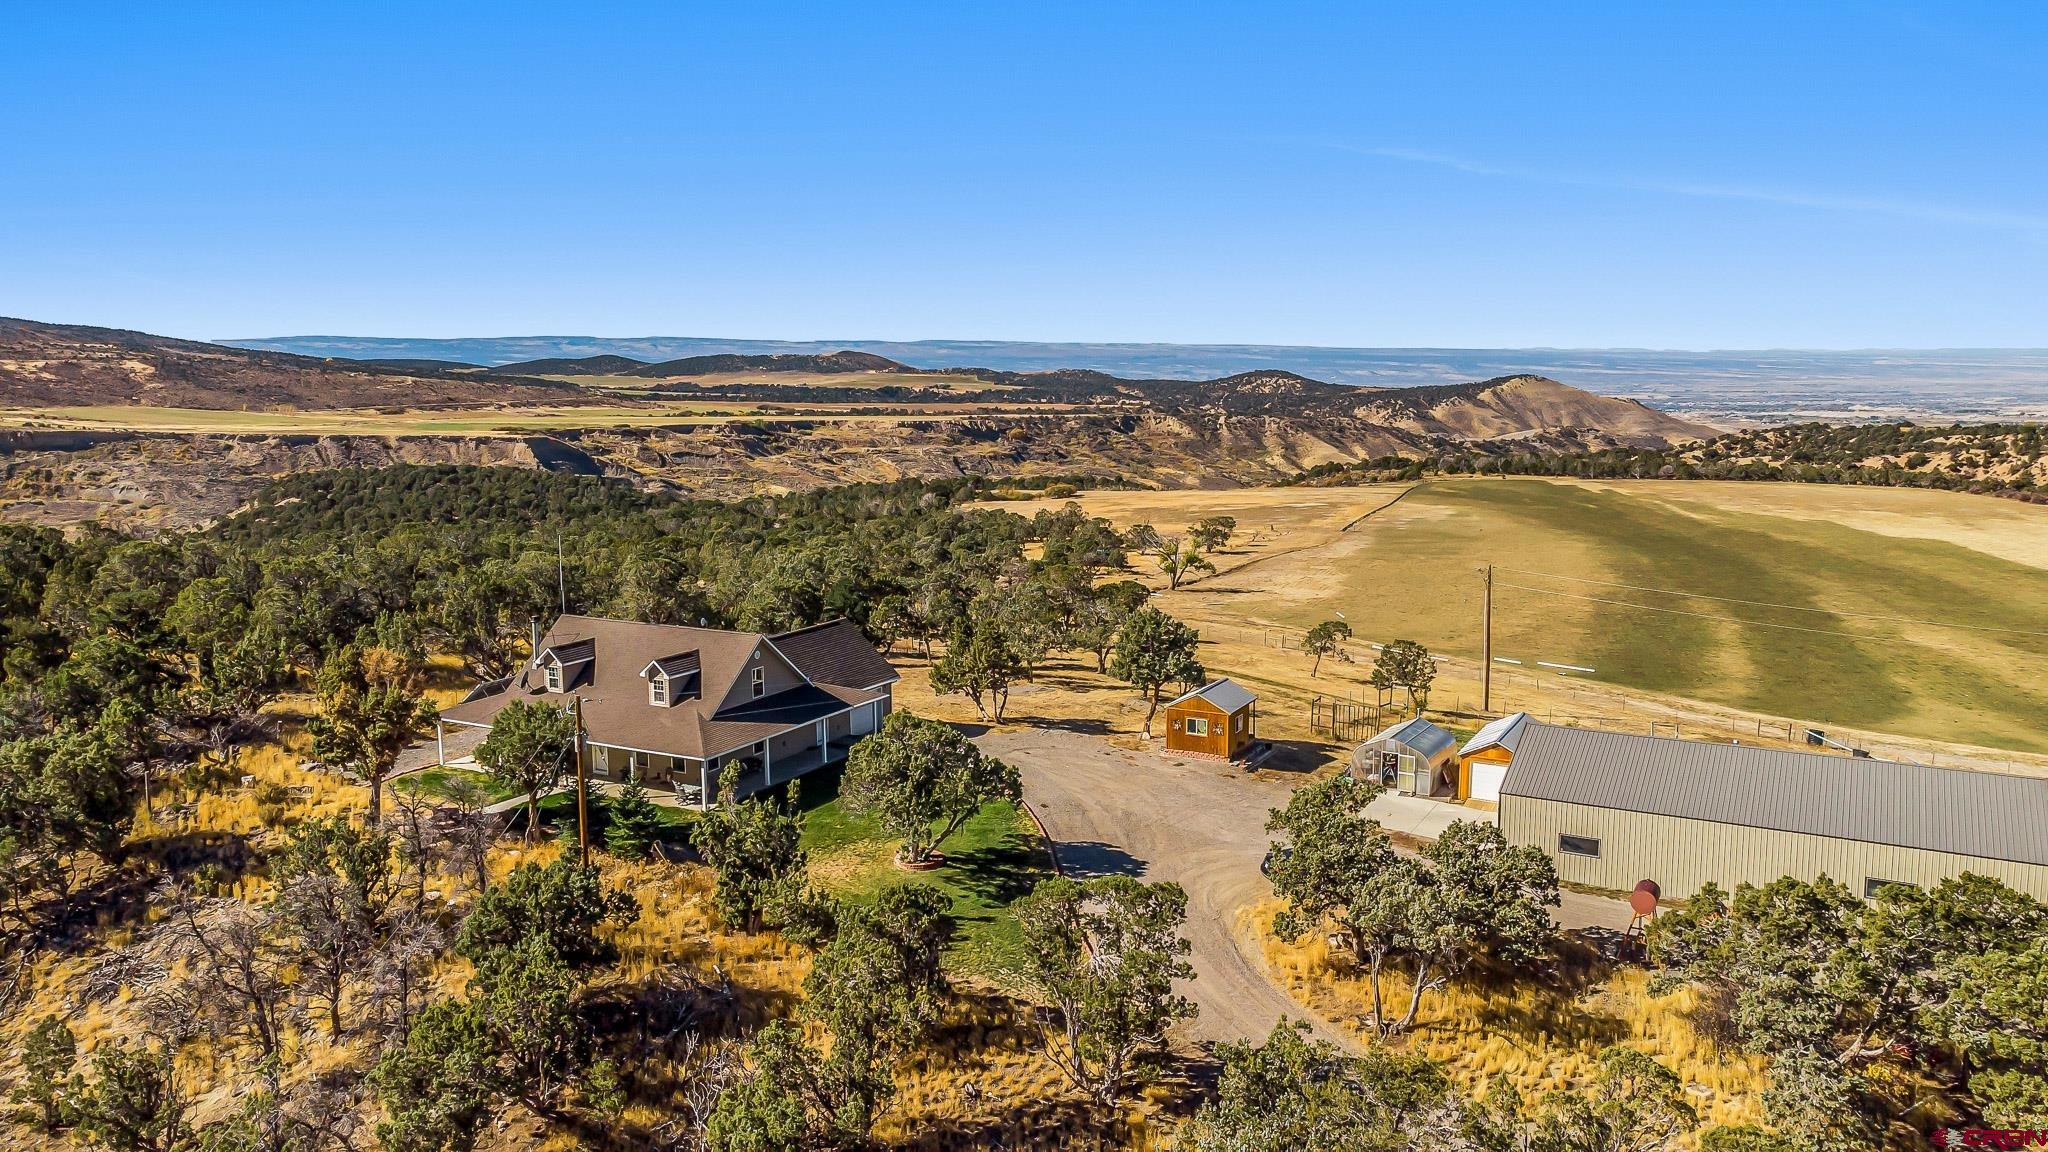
[[1226, 694], [1505, 732], [1419, 734], [1983, 814]]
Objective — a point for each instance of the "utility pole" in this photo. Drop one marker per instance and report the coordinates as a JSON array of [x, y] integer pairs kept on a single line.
[[582, 808], [1486, 648]]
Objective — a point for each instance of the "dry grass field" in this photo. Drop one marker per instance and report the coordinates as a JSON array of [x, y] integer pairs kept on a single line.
[[1541, 1034], [983, 1080], [1858, 568]]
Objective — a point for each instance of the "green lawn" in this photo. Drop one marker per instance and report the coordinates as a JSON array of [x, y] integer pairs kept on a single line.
[[995, 858], [435, 781]]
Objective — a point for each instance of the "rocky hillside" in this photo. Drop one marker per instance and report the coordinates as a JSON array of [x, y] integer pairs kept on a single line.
[[1255, 427], [66, 365], [1514, 406]]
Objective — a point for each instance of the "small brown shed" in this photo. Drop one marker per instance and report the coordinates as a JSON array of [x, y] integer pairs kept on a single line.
[[1218, 719]]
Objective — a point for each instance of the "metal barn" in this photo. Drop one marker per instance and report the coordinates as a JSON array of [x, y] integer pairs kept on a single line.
[[1613, 809]]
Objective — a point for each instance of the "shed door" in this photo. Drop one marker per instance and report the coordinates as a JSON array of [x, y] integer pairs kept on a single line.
[[1414, 774]]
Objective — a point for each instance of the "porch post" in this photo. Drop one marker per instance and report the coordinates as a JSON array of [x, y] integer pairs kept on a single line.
[[704, 785], [440, 743], [767, 763]]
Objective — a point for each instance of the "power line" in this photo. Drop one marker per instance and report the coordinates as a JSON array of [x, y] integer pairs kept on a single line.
[[1773, 604], [1705, 615]]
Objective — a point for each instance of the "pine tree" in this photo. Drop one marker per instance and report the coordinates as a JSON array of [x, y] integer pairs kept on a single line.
[[632, 823]]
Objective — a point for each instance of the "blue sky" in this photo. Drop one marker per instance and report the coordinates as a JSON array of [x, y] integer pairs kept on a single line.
[[1686, 176]]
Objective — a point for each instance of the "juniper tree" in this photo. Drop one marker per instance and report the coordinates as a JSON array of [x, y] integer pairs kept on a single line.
[[922, 780], [529, 750], [1152, 651], [1105, 952]]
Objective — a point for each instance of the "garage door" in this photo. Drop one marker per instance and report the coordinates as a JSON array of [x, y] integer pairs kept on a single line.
[[862, 720], [1486, 778]]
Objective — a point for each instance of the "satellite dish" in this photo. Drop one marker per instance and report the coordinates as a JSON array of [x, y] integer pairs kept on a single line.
[[1643, 901]]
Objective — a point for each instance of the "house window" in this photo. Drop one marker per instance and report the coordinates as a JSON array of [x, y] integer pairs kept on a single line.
[[1873, 887], [657, 691], [760, 682], [1198, 726], [1579, 846], [554, 677]]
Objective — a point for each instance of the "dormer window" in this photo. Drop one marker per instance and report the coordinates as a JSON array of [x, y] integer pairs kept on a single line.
[[554, 673], [671, 679], [760, 682]]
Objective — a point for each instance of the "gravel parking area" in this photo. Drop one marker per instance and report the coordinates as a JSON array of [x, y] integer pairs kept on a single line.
[[1202, 825]]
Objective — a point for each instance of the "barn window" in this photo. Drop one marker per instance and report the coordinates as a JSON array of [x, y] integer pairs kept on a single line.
[[1579, 846], [1198, 726], [1874, 887]]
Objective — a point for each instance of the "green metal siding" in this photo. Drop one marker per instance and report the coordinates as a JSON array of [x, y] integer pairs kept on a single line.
[[1681, 854]]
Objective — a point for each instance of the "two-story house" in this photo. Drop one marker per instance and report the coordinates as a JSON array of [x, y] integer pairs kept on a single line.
[[687, 709]]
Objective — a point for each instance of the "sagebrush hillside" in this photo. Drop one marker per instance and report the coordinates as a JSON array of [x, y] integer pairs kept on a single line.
[[62, 365]]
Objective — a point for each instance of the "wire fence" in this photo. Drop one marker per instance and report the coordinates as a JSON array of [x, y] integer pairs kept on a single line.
[[1574, 702]]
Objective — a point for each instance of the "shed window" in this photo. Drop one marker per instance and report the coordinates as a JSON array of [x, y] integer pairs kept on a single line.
[[1198, 726], [1237, 722], [554, 677], [1873, 886], [1579, 846]]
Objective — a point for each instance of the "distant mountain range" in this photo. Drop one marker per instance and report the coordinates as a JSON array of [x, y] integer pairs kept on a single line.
[[66, 365], [1770, 386]]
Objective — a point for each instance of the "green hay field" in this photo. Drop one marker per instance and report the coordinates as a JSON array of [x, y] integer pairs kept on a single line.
[[1412, 571]]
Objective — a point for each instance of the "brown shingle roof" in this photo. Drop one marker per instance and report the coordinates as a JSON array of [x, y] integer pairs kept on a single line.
[[835, 652], [615, 707], [677, 665]]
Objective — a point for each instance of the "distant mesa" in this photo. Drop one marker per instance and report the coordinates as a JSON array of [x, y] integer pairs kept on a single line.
[[571, 366], [830, 363]]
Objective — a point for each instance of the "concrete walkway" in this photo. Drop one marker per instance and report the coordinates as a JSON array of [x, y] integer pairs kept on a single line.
[[1420, 816]]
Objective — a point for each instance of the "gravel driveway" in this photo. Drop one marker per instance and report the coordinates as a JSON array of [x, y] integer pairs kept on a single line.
[[1197, 823], [1202, 825]]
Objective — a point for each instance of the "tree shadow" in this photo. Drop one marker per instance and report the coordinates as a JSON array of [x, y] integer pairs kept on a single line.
[[1000, 873], [1080, 725], [1087, 859], [1294, 756]]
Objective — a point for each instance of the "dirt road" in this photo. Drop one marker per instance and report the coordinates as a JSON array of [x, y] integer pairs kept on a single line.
[[1201, 825]]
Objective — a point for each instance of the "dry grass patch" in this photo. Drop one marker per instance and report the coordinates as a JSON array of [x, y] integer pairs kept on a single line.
[[1543, 1035]]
